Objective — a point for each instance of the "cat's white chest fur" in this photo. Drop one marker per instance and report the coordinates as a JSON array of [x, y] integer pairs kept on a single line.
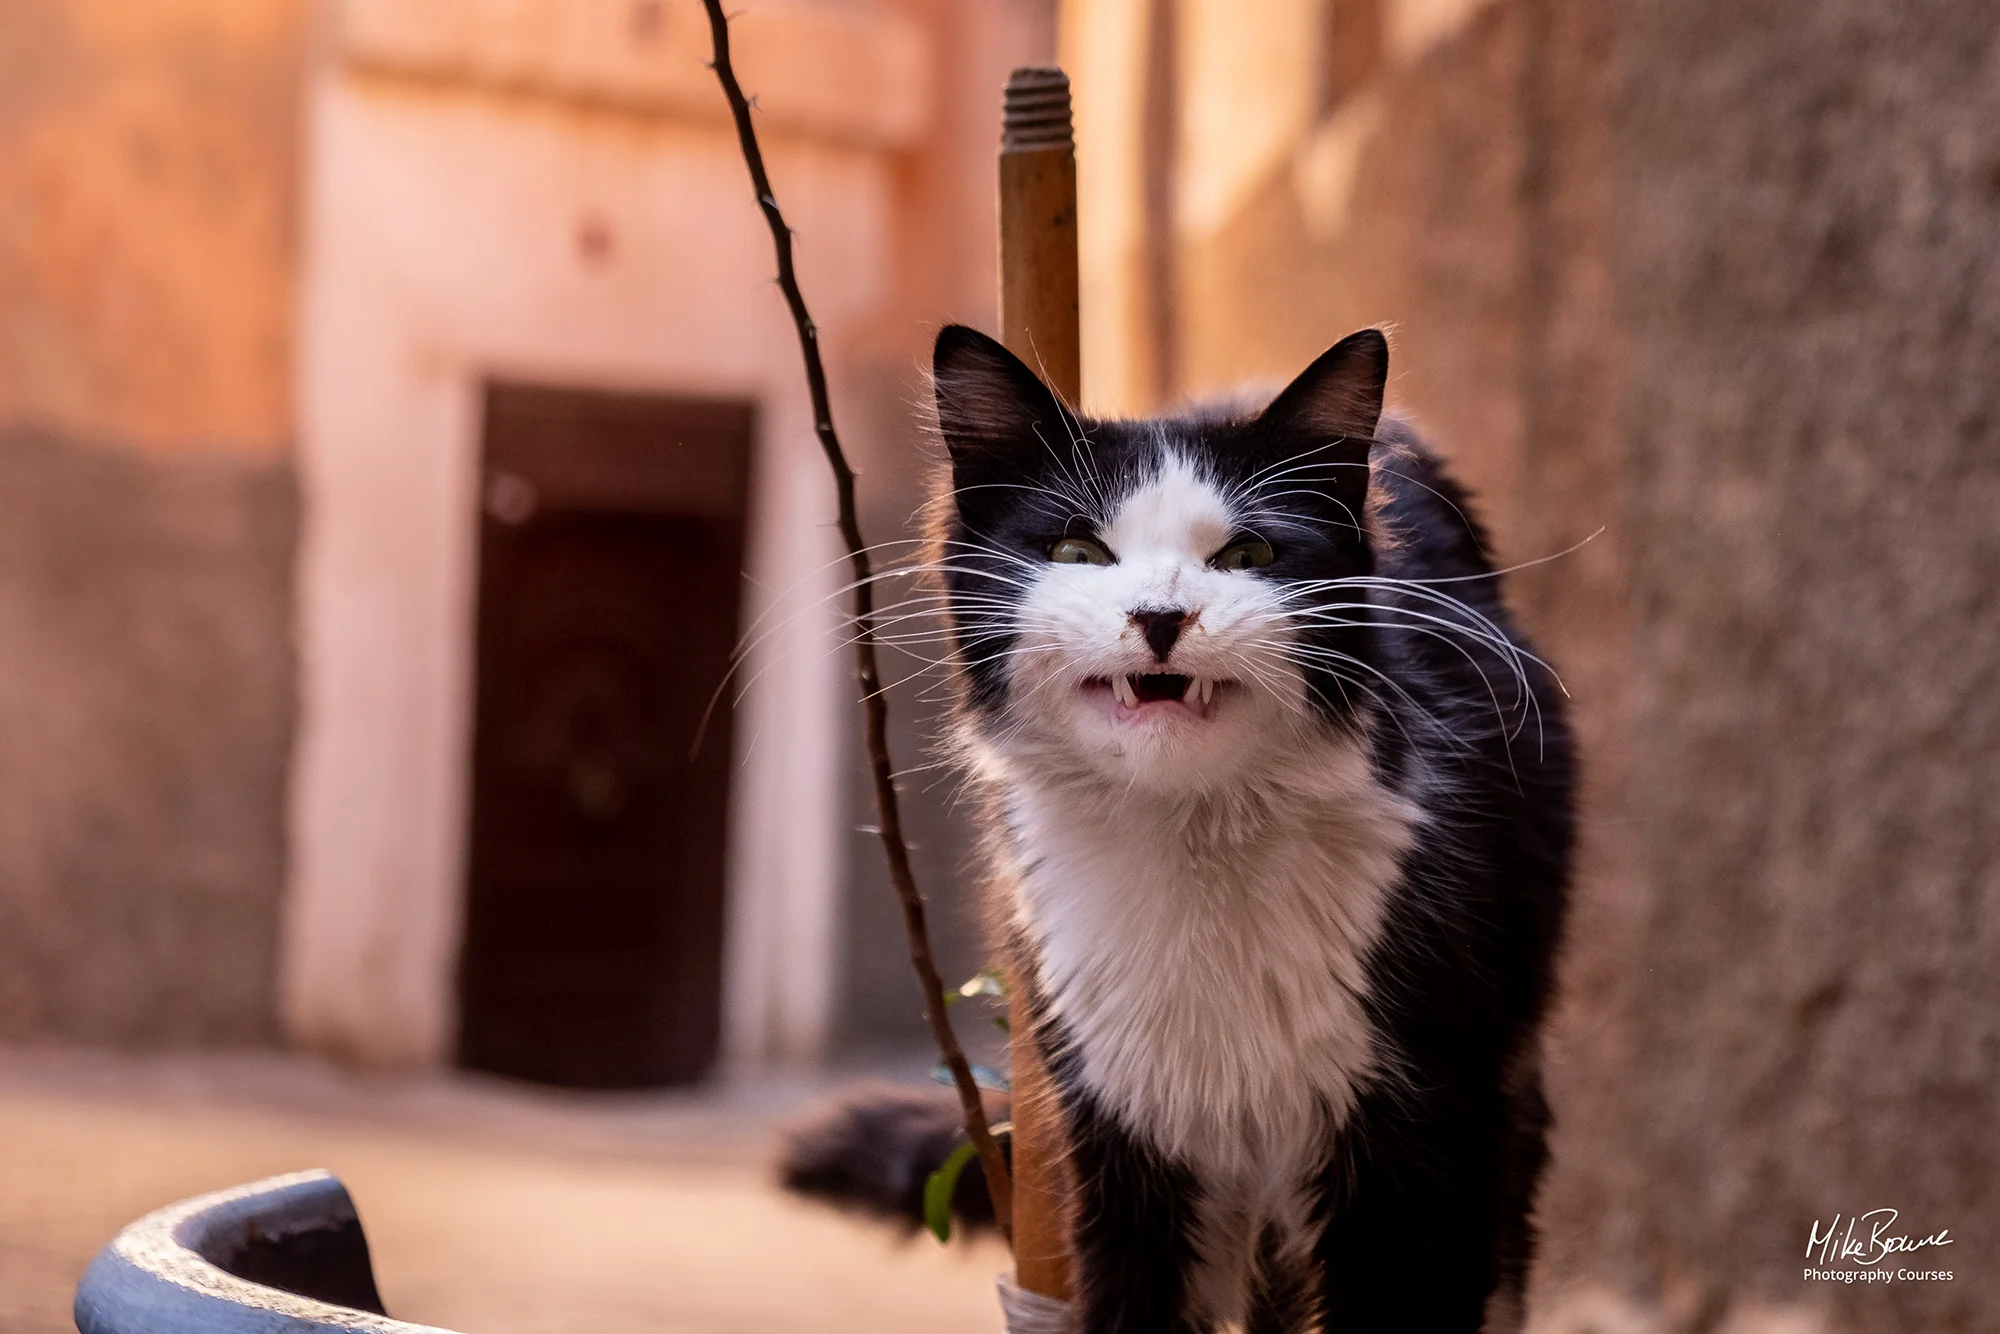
[[1210, 964]]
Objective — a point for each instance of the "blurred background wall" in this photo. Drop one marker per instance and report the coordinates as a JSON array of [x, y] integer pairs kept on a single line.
[[1711, 283], [149, 163], [259, 263], [1717, 281]]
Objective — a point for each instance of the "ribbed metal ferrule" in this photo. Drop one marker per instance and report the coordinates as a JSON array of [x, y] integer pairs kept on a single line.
[[1037, 111]]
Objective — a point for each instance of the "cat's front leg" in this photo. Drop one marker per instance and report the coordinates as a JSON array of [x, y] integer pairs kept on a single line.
[[1431, 1216], [1134, 1228]]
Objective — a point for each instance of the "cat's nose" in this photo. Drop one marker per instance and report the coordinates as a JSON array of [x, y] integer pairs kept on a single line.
[[1162, 627]]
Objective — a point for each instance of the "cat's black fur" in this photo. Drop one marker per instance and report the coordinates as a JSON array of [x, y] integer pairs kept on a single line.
[[1423, 1207]]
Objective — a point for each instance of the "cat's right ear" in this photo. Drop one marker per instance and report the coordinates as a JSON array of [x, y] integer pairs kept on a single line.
[[999, 421]]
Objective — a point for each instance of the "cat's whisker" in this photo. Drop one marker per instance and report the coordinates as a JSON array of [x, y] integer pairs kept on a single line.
[[1485, 623], [1074, 469], [1325, 659], [1450, 632], [1499, 641], [1063, 497], [780, 599], [1464, 519], [1293, 464], [1502, 645], [1569, 550], [1492, 695]]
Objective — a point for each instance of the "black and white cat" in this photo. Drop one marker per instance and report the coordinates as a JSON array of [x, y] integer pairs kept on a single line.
[[1280, 821]]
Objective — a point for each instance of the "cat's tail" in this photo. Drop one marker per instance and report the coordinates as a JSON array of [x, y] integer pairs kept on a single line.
[[871, 1149]]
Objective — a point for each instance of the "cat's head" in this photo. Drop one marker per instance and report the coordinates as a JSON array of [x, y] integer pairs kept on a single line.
[[1156, 603]]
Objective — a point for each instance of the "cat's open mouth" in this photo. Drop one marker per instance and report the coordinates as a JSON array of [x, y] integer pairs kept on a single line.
[[1141, 694]]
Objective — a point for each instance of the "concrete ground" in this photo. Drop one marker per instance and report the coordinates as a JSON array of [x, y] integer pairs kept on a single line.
[[491, 1208]]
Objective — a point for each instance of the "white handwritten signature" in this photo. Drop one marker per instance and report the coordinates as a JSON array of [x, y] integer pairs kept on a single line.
[[1866, 1240]]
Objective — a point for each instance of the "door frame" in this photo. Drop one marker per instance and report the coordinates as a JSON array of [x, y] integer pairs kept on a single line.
[[441, 254]]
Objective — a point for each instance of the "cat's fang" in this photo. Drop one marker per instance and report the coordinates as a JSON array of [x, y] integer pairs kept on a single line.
[[1121, 686], [1202, 689]]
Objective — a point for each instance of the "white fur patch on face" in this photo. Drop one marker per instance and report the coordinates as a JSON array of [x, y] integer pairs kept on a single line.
[[1173, 523], [1082, 644]]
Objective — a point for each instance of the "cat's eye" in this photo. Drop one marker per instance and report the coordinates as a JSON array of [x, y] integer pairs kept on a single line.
[[1245, 553], [1080, 551]]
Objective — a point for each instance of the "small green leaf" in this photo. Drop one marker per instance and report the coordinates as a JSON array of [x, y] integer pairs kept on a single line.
[[940, 1186]]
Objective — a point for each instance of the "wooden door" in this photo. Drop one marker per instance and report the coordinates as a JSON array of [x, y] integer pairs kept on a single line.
[[611, 546]]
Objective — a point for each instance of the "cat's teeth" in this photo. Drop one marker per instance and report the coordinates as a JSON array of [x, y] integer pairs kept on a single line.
[[1121, 686], [1207, 688]]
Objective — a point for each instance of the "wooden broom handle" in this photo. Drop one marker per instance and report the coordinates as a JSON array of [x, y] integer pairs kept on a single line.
[[1038, 307], [1040, 1169], [1038, 323]]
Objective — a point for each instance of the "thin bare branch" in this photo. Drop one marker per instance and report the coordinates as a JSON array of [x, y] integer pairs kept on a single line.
[[889, 817]]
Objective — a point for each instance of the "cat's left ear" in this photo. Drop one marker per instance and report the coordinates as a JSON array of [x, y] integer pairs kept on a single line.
[[1335, 404]]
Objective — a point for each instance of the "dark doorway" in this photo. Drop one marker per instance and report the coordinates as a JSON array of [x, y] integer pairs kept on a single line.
[[610, 550]]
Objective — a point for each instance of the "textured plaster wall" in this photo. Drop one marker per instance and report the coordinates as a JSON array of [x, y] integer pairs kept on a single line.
[[1719, 280], [148, 164], [146, 706], [147, 513], [1802, 206]]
